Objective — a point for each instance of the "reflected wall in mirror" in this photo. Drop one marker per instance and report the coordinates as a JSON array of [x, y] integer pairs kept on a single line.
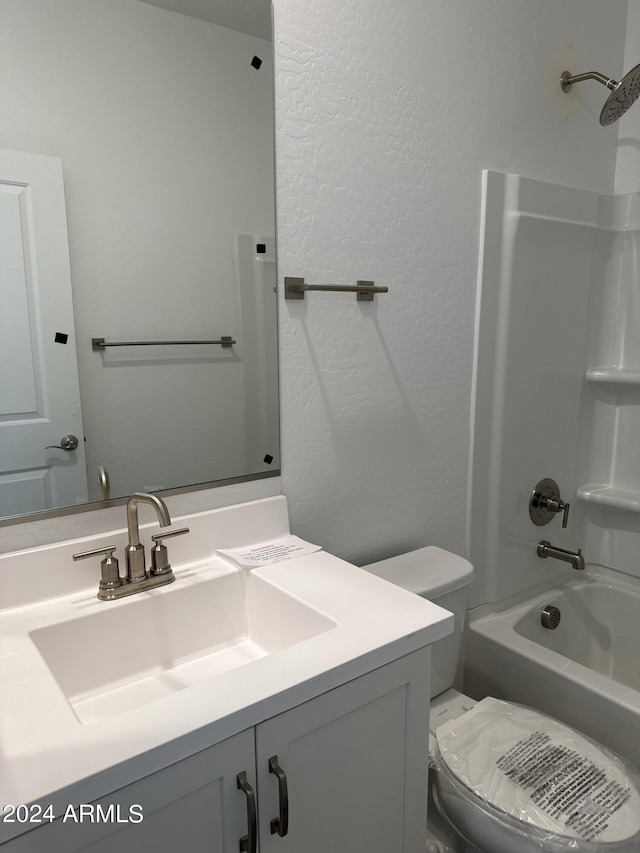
[[136, 205]]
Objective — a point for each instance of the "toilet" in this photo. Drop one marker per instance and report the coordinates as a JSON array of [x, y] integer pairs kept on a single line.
[[505, 778]]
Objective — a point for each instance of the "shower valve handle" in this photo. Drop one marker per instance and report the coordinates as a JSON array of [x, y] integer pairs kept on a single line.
[[557, 505], [545, 502]]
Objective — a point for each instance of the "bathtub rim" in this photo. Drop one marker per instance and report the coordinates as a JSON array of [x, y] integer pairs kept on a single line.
[[496, 623], [592, 571]]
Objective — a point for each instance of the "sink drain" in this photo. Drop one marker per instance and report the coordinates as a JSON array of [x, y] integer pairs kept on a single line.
[[550, 617]]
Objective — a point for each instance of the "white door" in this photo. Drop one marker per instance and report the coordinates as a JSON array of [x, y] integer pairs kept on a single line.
[[39, 391]]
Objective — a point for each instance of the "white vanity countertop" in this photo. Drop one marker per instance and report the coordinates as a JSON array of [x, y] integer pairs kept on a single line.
[[49, 757]]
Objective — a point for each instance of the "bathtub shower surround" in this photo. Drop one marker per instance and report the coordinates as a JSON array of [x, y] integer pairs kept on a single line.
[[609, 461], [535, 267], [557, 396], [557, 380]]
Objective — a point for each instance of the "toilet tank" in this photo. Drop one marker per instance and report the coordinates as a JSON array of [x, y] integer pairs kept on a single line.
[[443, 578]]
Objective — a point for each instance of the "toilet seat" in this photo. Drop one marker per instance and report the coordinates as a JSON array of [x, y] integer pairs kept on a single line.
[[513, 780]]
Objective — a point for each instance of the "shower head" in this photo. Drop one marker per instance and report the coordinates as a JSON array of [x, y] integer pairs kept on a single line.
[[623, 94]]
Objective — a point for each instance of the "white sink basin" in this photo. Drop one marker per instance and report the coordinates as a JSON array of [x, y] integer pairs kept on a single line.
[[139, 649]]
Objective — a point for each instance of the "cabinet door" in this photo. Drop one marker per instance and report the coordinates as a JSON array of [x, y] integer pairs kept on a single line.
[[193, 806], [355, 762]]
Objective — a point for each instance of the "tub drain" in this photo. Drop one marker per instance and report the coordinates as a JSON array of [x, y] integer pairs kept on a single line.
[[550, 617]]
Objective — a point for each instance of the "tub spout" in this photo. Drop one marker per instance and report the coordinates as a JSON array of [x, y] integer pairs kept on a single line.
[[546, 549]]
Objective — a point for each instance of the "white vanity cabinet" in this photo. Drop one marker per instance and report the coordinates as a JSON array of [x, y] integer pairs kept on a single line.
[[356, 766], [352, 763], [188, 807]]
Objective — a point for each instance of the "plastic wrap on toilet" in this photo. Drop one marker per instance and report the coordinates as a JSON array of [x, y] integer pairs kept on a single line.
[[540, 778]]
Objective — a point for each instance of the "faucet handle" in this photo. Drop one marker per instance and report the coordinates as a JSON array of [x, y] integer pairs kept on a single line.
[[110, 578], [557, 506], [545, 502], [159, 555]]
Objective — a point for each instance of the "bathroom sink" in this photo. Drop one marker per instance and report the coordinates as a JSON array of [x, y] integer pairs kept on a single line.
[[96, 694], [132, 652]]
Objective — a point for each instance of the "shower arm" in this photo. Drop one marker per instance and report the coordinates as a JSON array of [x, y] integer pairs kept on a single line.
[[567, 79]]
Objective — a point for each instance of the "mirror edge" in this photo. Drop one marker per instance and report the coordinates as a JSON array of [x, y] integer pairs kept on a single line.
[[28, 517]]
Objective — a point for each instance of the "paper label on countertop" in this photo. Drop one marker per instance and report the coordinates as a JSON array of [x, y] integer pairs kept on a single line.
[[266, 553]]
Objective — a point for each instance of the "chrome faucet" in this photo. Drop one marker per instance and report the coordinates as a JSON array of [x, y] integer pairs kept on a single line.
[[137, 578], [134, 552], [546, 549]]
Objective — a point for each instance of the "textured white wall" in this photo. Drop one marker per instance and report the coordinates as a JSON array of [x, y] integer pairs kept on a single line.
[[386, 114]]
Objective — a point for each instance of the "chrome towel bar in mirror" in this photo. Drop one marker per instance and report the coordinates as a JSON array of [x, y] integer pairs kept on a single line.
[[295, 288], [99, 344]]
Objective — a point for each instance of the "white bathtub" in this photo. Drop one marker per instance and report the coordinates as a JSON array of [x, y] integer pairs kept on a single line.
[[586, 672]]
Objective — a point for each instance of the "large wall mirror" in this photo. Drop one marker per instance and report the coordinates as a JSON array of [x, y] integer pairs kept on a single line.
[[138, 345]]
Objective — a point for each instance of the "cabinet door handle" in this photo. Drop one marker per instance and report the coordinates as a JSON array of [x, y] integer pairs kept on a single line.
[[280, 824], [249, 843]]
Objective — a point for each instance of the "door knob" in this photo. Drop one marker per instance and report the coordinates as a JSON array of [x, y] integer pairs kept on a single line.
[[67, 442]]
